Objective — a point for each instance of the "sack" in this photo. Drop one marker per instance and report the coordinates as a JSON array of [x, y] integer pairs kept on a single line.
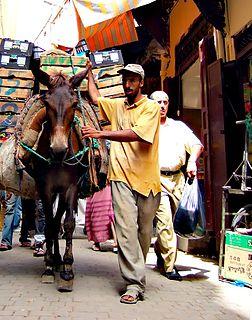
[[10, 179], [189, 218]]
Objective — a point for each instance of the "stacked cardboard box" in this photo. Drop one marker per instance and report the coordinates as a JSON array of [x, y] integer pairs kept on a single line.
[[16, 86], [108, 81], [238, 257]]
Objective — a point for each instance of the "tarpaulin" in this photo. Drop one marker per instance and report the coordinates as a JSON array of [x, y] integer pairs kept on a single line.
[[102, 23], [110, 33], [107, 23], [96, 11]]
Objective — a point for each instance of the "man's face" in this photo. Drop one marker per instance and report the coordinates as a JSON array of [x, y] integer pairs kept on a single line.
[[131, 84], [164, 103]]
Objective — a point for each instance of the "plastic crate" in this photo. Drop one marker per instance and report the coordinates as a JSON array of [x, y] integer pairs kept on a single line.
[[16, 47], [14, 61], [106, 58]]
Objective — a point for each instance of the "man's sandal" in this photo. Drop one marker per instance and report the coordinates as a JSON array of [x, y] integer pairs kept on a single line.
[[38, 252], [5, 247], [25, 244], [131, 296]]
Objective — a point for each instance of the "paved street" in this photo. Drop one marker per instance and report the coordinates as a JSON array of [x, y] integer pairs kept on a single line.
[[200, 296]]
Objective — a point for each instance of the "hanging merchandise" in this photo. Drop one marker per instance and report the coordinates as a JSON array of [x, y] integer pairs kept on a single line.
[[189, 219]]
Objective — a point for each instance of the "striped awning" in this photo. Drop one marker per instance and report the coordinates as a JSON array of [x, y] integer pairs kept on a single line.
[[96, 11], [107, 23], [110, 33]]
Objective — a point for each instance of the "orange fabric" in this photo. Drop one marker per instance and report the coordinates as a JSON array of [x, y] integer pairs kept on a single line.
[[110, 33]]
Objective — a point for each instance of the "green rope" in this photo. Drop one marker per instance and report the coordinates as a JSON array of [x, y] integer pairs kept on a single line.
[[94, 145], [34, 152], [76, 121]]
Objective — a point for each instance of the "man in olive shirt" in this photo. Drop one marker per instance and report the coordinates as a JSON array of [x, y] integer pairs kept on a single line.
[[134, 172]]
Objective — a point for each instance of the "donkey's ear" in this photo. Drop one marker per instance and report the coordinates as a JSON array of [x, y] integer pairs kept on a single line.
[[39, 74], [77, 79], [42, 77]]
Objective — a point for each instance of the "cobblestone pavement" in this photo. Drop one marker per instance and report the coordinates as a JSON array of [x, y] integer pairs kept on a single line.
[[200, 296]]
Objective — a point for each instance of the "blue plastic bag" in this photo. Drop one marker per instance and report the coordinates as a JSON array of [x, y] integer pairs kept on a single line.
[[189, 219]]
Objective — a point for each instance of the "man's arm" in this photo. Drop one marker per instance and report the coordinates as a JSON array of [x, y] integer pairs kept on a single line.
[[126, 135], [92, 89], [191, 168]]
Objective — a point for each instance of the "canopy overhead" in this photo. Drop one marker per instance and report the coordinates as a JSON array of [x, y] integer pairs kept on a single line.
[[97, 11], [102, 23], [110, 33]]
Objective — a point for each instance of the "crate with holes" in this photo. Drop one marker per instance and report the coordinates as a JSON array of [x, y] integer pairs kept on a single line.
[[15, 54]]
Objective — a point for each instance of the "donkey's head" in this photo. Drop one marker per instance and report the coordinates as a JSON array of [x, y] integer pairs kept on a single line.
[[60, 101]]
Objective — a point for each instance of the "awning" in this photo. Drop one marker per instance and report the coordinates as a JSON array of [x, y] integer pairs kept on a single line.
[[97, 11], [110, 33], [107, 23]]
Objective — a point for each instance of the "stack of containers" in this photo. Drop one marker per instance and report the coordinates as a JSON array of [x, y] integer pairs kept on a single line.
[[105, 67], [16, 82], [15, 54]]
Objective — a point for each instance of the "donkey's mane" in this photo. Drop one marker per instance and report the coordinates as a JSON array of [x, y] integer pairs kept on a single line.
[[59, 80]]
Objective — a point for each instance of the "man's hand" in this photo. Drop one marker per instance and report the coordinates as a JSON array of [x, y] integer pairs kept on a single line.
[[191, 169], [126, 135], [88, 132], [89, 65]]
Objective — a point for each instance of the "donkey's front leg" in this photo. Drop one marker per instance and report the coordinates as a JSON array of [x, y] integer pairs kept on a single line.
[[48, 275], [67, 275]]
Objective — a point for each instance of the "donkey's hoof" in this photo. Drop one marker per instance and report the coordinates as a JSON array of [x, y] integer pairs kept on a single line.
[[67, 275], [48, 277], [65, 286]]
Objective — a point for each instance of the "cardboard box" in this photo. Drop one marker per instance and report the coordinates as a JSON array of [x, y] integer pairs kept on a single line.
[[68, 65], [238, 257], [12, 106], [112, 92], [16, 74], [8, 120], [19, 47], [15, 84], [108, 81], [56, 60]]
